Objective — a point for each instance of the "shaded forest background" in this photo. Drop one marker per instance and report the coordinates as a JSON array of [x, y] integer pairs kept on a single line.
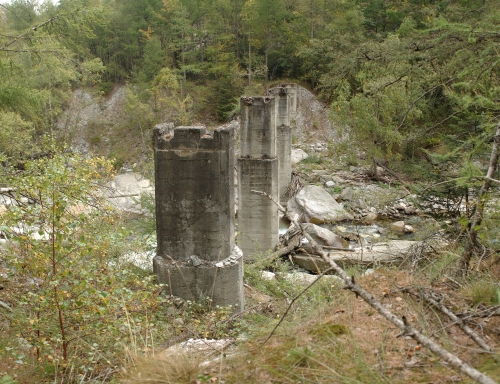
[[402, 77]]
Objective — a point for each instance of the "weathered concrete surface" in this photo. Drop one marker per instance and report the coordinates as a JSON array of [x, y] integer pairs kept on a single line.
[[391, 251], [315, 205], [258, 222], [282, 105], [194, 193], [197, 279], [284, 152], [195, 215], [293, 92], [283, 139], [258, 127]]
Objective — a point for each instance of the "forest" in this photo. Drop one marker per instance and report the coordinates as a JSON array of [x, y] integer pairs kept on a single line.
[[412, 86], [404, 76]]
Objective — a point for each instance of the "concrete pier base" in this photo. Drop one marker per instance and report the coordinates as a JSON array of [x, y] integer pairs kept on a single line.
[[258, 222], [198, 280]]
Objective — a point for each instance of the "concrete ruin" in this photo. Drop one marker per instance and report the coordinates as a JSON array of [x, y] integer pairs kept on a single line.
[[196, 253], [258, 222], [283, 138], [293, 93]]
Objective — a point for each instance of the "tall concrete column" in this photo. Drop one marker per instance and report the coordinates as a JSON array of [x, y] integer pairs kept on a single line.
[[293, 93], [283, 138], [196, 255], [258, 221]]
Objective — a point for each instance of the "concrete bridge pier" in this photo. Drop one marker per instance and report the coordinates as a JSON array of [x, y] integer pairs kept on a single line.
[[283, 138], [197, 257], [258, 167]]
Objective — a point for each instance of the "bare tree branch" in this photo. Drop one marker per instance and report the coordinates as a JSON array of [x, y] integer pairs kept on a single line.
[[31, 30], [477, 219], [439, 305], [6, 306]]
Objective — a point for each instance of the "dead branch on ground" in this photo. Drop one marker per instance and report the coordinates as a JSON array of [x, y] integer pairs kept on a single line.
[[448, 312]]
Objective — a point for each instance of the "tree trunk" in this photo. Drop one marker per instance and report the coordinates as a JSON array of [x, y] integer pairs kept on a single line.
[[477, 218], [312, 19], [184, 76], [202, 60], [249, 61], [267, 75]]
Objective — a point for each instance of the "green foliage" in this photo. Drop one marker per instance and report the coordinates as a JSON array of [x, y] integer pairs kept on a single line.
[[480, 291], [7, 380], [313, 159], [229, 90], [81, 303], [153, 60], [170, 104], [15, 135]]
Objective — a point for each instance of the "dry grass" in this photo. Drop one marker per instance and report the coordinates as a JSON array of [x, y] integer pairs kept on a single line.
[[346, 341], [162, 369], [339, 339]]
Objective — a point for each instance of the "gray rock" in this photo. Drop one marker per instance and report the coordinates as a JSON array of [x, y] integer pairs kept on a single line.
[[398, 226], [408, 229], [330, 184], [315, 205], [266, 275], [347, 194], [323, 236], [369, 271], [195, 260], [125, 191], [392, 251], [370, 218], [307, 279], [142, 260], [298, 155]]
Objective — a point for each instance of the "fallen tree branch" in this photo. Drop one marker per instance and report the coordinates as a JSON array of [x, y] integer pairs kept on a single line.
[[282, 252], [482, 313], [402, 324], [5, 305], [439, 305]]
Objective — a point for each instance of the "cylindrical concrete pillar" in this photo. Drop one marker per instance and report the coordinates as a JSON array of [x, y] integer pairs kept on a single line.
[[195, 193], [293, 93], [258, 222], [196, 254], [258, 127]]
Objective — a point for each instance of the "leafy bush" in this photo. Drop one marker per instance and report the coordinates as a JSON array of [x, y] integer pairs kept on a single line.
[[76, 304]]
